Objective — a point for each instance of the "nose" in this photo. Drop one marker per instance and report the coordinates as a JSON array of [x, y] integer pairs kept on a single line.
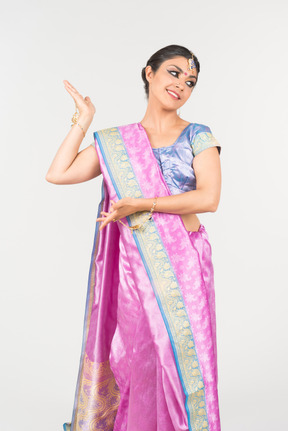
[[179, 85]]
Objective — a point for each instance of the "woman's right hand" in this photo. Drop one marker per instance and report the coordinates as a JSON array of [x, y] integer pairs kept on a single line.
[[84, 105]]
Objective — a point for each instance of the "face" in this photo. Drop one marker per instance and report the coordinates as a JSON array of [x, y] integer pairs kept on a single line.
[[173, 82]]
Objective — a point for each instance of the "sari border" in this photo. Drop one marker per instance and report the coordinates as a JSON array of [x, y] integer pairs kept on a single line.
[[88, 307], [201, 421], [96, 134]]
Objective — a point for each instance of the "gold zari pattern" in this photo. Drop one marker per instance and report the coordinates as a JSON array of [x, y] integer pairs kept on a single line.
[[99, 398], [164, 281]]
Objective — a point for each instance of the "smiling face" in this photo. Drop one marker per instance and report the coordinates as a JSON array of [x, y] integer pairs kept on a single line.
[[172, 84]]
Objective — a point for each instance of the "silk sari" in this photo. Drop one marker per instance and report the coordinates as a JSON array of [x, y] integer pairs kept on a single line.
[[149, 355]]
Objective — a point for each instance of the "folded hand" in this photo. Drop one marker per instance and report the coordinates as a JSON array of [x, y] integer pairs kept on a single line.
[[118, 210]]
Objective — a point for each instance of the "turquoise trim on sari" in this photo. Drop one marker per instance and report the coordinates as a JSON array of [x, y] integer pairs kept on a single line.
[[162, 277]]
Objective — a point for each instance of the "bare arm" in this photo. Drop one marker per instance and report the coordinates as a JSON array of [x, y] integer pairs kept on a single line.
[[205, 198], [70, 166]]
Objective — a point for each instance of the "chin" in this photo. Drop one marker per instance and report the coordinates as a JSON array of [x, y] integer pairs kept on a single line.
[[172, 106]]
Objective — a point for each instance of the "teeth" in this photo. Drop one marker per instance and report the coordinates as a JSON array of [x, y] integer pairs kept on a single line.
[[171, 92]]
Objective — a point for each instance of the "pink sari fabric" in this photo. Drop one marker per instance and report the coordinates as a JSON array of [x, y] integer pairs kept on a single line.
[[152, 399], [136, 373]]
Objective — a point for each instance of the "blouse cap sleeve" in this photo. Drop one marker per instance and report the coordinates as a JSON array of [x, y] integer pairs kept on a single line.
[[204, 139]]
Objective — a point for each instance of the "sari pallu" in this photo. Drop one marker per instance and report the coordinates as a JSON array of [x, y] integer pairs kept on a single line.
[[149, 356]]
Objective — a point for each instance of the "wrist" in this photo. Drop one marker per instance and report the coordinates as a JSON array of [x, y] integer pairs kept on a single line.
[[85, 121], [144, 204]]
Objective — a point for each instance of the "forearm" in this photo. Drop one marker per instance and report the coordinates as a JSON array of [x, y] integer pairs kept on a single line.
[[192, 202], [69, 148]]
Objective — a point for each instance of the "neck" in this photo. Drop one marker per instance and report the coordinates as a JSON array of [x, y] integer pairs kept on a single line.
[[158, 119]]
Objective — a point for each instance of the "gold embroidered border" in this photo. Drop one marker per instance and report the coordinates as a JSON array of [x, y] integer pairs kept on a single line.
[[99, 398], [202, 141], [164, 280]]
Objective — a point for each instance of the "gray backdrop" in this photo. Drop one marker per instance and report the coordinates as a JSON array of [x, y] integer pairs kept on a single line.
[[47, 230]]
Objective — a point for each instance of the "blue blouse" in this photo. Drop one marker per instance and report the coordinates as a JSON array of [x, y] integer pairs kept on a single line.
[[175, 161]]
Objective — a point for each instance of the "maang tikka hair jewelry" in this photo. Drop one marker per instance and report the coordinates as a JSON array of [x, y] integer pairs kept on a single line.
[[191, 62]]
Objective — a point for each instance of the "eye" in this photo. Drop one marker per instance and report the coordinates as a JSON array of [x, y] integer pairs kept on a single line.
[[189, 83], [173, 71]]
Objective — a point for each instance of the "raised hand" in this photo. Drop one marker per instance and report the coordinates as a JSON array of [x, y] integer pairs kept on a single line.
[[84, 105]]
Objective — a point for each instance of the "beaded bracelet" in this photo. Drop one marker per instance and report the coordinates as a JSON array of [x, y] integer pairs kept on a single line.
[[139, 226], [79, 126]]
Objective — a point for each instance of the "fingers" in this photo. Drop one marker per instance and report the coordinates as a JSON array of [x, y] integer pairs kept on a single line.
[[104, 224], [104, 221], [80, 102], [73, 92], [70, 86], [112, 207], [108, 217], [105, 213]]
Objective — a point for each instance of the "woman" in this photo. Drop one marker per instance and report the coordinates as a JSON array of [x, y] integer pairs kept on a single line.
[[149, 357]]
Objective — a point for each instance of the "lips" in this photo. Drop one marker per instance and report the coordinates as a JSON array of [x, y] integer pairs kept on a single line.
[[173, 94]]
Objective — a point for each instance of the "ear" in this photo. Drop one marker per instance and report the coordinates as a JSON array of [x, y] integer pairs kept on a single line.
[[149, 73]]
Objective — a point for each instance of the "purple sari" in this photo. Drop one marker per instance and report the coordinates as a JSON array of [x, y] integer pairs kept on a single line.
[[149, 357]]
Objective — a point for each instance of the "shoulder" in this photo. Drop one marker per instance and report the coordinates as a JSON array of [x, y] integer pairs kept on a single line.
[[197, 128], [201, 137], [119, 131], [105, 130], [108, 130]]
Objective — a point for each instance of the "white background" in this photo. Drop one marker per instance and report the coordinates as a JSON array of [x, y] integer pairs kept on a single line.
[[47, 230]]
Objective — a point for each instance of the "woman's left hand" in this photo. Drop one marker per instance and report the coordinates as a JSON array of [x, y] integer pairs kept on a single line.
[[120, 209]]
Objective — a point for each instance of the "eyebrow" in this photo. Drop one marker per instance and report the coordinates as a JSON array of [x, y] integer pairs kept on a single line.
[[180, 70]]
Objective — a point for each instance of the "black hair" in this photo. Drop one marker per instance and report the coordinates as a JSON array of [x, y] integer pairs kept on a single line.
[[164, 54]]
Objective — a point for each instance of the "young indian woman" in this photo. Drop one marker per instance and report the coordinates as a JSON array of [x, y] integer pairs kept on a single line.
[[149, 352]]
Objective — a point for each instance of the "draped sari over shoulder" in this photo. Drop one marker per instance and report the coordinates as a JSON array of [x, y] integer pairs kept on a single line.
[[149, 357]]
